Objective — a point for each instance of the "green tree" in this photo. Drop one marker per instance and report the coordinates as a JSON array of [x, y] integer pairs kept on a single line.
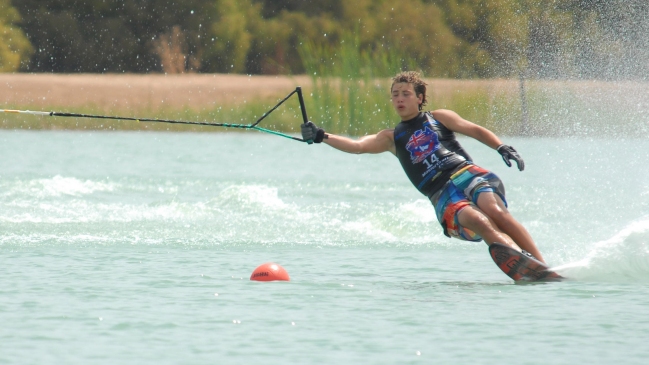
[[15, 48], [611, 38], [419, 32], [107, 35], [530, 36], [273, 8], [445, 38], [229, 37], [410, 28]]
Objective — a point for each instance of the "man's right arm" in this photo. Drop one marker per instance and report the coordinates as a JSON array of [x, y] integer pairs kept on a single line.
[[375, 143]]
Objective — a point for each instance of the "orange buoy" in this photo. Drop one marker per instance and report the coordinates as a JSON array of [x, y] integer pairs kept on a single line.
[[269, 271]]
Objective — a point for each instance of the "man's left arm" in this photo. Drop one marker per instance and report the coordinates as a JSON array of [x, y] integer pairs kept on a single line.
[[456, 123]]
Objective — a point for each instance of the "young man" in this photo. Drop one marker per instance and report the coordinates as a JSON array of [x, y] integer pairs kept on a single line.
[[469, 200]]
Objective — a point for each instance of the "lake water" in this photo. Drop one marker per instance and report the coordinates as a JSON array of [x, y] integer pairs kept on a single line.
[[137, 248]]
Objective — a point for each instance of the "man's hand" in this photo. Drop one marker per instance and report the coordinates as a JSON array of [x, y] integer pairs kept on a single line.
[[509, 153], [311, 133]]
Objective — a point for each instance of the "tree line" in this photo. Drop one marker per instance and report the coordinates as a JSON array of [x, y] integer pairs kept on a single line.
[[443, 38]]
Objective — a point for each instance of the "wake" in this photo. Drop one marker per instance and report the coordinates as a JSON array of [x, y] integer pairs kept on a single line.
[[621, 258]]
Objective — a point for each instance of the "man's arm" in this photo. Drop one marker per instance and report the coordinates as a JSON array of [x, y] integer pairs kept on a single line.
[[375, 143], [456, 123]]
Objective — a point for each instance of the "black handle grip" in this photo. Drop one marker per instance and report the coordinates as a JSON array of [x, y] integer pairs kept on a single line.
[[302, 107]]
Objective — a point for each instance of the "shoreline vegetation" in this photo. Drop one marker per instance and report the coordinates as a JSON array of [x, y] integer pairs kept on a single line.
[[355, 106]]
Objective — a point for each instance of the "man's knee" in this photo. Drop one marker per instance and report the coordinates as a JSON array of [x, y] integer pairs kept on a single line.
[[476, 221], [494, 208]]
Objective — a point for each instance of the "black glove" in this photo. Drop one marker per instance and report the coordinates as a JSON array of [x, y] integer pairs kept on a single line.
[[509, 153], [311, 133]]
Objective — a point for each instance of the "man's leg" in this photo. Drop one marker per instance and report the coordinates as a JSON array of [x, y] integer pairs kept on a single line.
[[474, 219], [491, 204]]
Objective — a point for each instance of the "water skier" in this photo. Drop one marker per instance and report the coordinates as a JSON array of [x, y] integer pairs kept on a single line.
[[469, 201]]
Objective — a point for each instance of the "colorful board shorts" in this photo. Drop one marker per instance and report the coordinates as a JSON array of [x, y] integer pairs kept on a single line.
[[462, 190]]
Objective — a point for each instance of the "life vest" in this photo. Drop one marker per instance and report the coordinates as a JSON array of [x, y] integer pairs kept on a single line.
[[428, 152]]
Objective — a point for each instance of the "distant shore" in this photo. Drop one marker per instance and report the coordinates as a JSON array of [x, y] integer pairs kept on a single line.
[[137, 92], [555, 107], [194, 91], [202, 97]]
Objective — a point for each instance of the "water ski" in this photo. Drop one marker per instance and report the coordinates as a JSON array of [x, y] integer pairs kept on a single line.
[[519, 266]]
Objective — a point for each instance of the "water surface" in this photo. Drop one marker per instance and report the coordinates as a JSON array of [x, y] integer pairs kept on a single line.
[[136, 248]]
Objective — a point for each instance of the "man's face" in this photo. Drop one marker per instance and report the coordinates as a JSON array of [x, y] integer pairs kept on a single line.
[[405, 101]]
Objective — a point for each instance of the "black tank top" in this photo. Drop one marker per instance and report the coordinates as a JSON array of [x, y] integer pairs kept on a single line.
[[428, 152]]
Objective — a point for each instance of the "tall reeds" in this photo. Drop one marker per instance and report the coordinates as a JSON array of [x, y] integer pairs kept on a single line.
[[351, 95], [350, 85]]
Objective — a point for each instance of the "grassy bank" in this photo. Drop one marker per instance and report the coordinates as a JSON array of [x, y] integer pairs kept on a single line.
[[282, 120], [353, 106]]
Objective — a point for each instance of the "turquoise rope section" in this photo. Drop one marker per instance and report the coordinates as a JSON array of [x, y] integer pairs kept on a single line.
[[270, 131], [276, 133]]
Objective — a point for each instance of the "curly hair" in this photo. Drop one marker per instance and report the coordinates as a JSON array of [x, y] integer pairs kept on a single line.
[[414, 78]]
